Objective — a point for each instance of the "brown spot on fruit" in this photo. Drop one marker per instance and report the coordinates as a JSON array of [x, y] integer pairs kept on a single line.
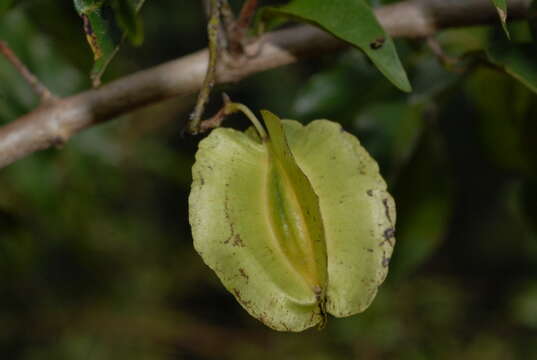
[[239, 298], [243, 274], [237, 241], [387, 210], [388, 235]]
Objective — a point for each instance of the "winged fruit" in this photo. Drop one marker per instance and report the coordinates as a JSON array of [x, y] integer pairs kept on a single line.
[[295, 221]]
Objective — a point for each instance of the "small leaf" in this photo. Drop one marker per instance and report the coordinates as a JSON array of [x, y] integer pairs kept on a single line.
[[295, 224], [501, 7], [354, 22], [105, 25]]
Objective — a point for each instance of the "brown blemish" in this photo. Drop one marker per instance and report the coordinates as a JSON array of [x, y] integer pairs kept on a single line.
[[377, 44], [312, 316], [237, 241], [369, 192], [91, 38], [239, 298], [232, 235], [387, 210], [388, 235], [285, 326], [385, 261], [243, 274]]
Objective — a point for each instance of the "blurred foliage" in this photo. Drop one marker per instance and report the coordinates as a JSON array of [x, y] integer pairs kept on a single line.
[[96, 260]]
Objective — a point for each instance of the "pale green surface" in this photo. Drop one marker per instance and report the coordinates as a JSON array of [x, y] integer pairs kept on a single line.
[[291, 195], [231, 231], [355, 207], [233, 211]]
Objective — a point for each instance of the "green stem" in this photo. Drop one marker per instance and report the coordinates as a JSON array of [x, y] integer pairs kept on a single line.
[[235, 107]]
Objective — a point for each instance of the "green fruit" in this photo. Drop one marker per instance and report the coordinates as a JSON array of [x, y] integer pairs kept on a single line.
[[296, 223]]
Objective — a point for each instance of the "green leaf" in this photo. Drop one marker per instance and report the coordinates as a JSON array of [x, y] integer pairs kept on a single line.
[[501, 7], [518, 60], [354, 22], [295, 223], [106, 23]]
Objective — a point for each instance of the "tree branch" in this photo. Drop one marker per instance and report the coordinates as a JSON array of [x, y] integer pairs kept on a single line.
[[53, 125]]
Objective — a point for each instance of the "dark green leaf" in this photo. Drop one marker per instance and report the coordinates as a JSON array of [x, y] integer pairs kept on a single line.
[[354, 22], [518, 60], [501, 7], [106, 23]]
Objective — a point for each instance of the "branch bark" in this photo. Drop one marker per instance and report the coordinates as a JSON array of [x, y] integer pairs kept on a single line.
[[53, 125]]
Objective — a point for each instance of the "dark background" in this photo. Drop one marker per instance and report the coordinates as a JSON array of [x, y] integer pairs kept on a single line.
[[96, 256]]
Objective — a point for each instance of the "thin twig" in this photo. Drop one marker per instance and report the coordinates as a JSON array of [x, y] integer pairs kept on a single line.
[[44, 94], [217, 119], [213, 27]]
